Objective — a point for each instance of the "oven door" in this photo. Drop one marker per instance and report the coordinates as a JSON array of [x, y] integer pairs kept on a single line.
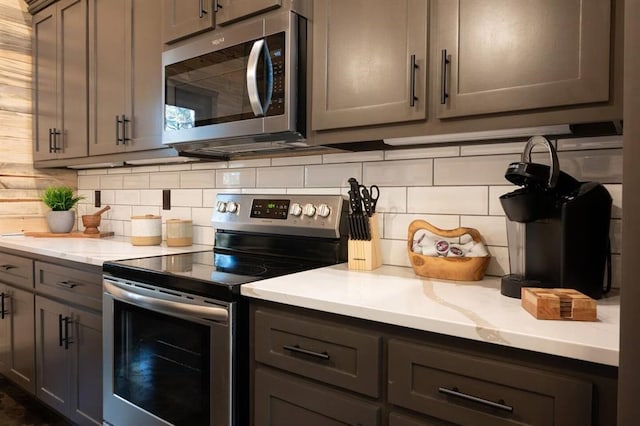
[[167, 358]]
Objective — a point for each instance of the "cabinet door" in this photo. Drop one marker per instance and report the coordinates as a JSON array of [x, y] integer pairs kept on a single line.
[[281, 400], [54, 379], [60, 76], [45, 64], [367, 68], [108, 51], [182, 18], [229, 11], [17, 353], [146, 85], [86, 348], [504, 55]]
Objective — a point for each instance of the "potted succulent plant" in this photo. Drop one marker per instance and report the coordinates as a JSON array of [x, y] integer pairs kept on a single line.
[[60, 199]]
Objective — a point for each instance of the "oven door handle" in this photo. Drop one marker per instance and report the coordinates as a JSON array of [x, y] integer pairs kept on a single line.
[[167, 306]]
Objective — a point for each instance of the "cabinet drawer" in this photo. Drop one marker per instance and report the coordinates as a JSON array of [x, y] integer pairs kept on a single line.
[[321, 350], [282, 400], [16, 270], [72, 285], [469, 390]]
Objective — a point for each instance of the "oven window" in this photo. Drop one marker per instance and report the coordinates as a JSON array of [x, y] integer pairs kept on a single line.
[[161, 364]]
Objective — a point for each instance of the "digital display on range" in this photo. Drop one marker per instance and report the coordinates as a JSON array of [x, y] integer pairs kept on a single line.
[[269, 209]]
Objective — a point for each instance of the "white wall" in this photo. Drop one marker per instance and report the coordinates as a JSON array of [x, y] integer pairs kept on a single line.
[[449, 186]]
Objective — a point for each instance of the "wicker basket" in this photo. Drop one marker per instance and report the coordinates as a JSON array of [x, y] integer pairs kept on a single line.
[[447, 268]]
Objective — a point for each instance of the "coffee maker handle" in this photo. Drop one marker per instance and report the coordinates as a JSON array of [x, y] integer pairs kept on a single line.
[[555, 165]]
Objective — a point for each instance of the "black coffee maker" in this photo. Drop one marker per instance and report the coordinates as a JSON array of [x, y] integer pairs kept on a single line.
[[558, 228]]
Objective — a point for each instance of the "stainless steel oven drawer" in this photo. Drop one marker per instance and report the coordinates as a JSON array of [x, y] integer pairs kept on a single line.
[[329, 352], [470, 390], [69, 284], [16, 270]]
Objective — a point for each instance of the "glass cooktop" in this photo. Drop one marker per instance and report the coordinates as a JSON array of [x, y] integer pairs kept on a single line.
[[207, 273]]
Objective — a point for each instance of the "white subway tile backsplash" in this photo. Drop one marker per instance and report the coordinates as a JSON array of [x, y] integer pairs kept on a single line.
[[175, 167], [201, 216], [392, 200], [145, 169], [327, 175], [480, 170], [431, 152], [130, 197], [280, 177], [448, 200], [120, 213], [263, 191], [151, 197], [119, 170], [492, 228], [111, 182], [398, 173], [87, 195], [604, 165], [166, 180], [296, 161], [88, 182], [176, 213], [256, 162], [616, 193], [203, 235], [186, 197], [499, 263], [107, 197], [396, 226], [313, 191], [394, 252], [353, 157], [136, 181], [236, 178], [601, 142], [145, 210], [198, 179], [206, 165], [495, 207], [498, 148]]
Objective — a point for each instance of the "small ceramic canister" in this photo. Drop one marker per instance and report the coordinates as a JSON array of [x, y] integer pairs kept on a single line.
[[179, 233], [146, 230]]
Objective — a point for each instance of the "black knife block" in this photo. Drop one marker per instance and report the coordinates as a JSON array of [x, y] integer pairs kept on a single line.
[[365, 255]]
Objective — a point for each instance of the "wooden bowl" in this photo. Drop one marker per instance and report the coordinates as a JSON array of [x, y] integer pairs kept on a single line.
[[446, 268]]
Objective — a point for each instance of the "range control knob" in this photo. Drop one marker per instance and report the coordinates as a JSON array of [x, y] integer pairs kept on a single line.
[[309, 210], [296, 209], [232, 207], [324, 210], [221, 207]]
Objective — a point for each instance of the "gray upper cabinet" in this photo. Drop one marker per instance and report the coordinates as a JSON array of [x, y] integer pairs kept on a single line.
[[60, 80], [183, 18], [503, 55], [369, 62], [229, 11], [126, 69]]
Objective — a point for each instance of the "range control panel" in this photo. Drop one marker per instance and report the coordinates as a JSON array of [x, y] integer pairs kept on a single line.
[[309, 215]]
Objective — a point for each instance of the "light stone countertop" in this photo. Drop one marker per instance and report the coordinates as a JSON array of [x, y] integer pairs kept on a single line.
[[470, 310], [94, 251]]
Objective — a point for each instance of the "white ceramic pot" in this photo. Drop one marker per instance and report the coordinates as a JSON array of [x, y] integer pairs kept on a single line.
[[146, 230], [179, 233], [61, 222]]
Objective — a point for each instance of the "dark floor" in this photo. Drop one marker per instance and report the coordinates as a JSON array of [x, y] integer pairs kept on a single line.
[[19, 408]]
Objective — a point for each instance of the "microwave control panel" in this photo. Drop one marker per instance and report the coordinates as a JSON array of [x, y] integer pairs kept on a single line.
[[276, 44]]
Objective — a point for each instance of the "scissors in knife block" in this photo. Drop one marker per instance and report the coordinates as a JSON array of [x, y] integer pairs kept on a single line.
[[369, 198]]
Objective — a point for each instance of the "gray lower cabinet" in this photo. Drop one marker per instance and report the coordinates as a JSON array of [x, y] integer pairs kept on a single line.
[[315, 368], [126, 68], [183, 18], [69, 341], [69, 360], [500, 55], [367, 68], [17, 340], [60, 81]]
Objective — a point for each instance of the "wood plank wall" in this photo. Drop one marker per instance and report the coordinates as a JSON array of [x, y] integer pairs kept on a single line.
[[20, 184]]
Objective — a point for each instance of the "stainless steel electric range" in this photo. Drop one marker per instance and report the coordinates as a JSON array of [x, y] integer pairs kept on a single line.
[[175, 327]]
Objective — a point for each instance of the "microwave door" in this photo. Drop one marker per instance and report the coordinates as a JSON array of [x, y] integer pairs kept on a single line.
[[259, 106]]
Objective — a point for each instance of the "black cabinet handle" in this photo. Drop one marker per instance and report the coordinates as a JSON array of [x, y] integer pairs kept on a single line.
[[443, 83], [118, 130], [3, 312], [216, 5], [456, 393], [125, 120], [56, 133], [63, 326], [66, 284], [6, 267], [412, 81], [298, 349], [50, 141], [203, 11]]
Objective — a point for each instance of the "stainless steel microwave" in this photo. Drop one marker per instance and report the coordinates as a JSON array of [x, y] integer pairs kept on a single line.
[[238, 89]]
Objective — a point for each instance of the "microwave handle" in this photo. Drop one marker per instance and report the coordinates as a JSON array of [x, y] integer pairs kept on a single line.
[[257, 106]]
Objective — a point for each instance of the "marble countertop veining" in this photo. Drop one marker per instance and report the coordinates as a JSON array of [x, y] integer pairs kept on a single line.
[[94, 251], [471, 310]]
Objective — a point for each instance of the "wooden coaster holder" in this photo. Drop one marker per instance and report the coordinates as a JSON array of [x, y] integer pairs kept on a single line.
[[366, 255]]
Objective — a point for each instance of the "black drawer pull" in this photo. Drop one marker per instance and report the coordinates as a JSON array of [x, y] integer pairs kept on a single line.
[[3, 311], [63, 331], [443, 80], [298, 349], [66, 284], [456, 393], [7, 267]]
